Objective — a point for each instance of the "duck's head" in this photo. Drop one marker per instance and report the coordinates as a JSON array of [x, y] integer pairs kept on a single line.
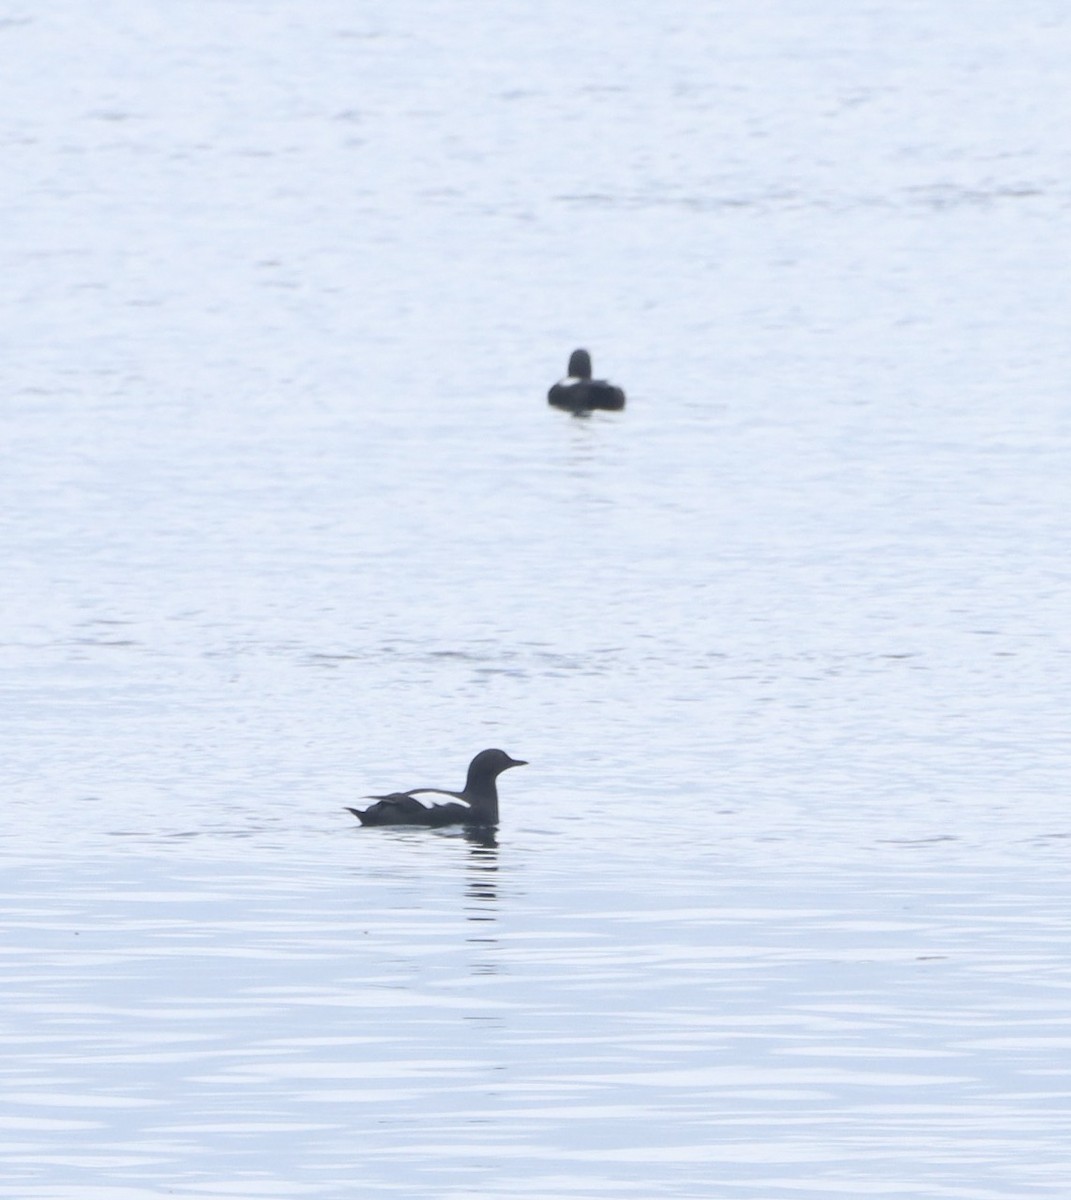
[[580, 365], [489, 764]]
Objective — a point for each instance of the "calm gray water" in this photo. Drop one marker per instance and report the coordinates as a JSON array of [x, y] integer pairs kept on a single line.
[[780, 909]]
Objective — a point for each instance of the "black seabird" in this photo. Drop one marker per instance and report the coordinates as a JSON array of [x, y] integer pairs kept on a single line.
[[476, 803], [578, 392]]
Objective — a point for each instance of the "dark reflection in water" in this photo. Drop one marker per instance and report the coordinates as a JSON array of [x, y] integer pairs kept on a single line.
[[482, 836], [482, 885], [481, 891]]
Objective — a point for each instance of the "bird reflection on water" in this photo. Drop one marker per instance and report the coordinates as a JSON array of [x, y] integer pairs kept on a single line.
[[483, 869], [481, 901]]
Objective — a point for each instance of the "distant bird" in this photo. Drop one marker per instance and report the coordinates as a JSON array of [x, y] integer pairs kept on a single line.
[[578, 392], [476, 803]]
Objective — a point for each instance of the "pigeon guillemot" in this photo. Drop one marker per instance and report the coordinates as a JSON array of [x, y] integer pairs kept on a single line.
[[578, 392], [475, 804]]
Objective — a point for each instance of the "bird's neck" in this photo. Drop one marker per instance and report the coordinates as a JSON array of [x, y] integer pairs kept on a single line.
[[483, 796]]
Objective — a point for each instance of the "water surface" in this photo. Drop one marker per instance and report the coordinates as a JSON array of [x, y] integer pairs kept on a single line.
[[779, 908]]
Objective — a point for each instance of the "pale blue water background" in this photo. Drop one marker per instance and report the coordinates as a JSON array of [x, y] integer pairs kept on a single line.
[[780, 907]]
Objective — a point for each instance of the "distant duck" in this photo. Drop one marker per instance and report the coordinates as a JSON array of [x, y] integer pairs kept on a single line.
[[578, 392], [476, 804]]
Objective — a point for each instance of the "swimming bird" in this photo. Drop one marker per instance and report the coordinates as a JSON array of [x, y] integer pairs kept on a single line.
[[475, 804], [578, 392]]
